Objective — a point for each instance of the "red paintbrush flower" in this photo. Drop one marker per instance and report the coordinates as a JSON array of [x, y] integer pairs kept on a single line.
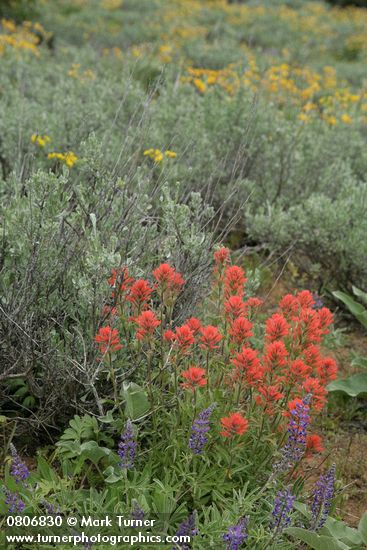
[[221, 256], [305, 299], [327, 370], [210, 338], [139, 293], [276, 327], [194, 324], [313, 444], [234, 424], [234, 280], [184, 338], [240, 330], [195, 378], [108, 339], [234, 307], [147, 323], [289, 306]]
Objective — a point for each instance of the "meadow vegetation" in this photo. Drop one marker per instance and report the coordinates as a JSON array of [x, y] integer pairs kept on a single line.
[[136, 136]]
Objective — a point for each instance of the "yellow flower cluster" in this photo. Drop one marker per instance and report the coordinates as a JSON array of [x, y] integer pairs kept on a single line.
[[27, 36], [156, 155], [69, 158], [39, 140], [227, 79], [84, 76]]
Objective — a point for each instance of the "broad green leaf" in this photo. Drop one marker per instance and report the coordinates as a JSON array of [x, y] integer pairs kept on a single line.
[[357, 309], [315, 541], [137, 404], [362, 527], [341, 531], [93, 452], [360, 362], [360, 294], [354, 386]]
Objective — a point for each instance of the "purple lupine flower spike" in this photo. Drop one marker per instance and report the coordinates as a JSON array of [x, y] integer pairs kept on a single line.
[[199, 429], [137, 514], [283, 505], [13, 501], [19, 470], [127, 447], [322, 498], [236, 534], [318, 303], [295, 447], [188, 529]]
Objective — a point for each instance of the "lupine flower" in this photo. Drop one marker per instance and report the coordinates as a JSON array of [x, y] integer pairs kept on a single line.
[[199, 429], [322, 498], [276, 327], [317, 302], [108, 339], [188, 529], [195, 378], [14, 503], [127, 447], [236, 534], [313, 444], [147, 323], [139, 293], [210, 338], [19, 470], [234, 424], [295, 447], [240, 330], [283, 506], [137, 513], [50, 508], [234, 280]]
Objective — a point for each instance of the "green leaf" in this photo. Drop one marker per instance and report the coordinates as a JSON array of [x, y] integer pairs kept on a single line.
[[93, 452], [315, 541], [354, 386], [137, 404], [357, 309], [360, 294], [341, 531], [360, 362], [362, 527]]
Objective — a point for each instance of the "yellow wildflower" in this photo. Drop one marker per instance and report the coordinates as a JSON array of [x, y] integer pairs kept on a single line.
[[69, 158], [170, 154], [40, 140], [155, 154], [200, 85], [346, 119]]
